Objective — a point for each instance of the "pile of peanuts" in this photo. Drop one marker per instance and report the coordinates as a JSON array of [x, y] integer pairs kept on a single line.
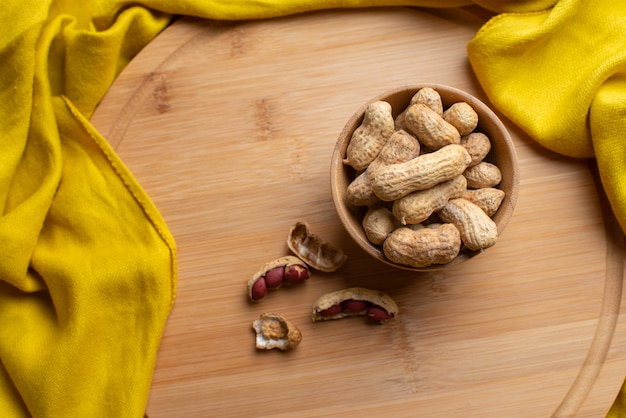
[[424, 181]]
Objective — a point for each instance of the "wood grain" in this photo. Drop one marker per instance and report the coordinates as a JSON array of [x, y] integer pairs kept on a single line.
[[230, 127]]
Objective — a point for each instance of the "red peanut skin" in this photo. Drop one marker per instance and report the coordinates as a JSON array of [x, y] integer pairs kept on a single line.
[[333, 310], [285, 270], [376, 313], [351, 305], [295, 274], [274, 277], [259, 289]]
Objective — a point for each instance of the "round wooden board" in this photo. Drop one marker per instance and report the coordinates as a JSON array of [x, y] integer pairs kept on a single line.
[[230, 127]]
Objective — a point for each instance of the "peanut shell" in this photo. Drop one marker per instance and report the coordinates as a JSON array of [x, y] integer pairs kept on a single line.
[[488, 199], [478, 231], [313, 250], [477, 145], [394, 181], [360, 192], [416, 207], [288, 260], [426, 95], [274, 331], [423, 247], [400, 147], [378, 223], [430, 128], [483, 174], [462, 116], [368, 138], [374, 297]]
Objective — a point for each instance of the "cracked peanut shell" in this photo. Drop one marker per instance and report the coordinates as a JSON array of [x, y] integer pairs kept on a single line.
[[274, 331], [374, 298], [286, 261], [313, 250]]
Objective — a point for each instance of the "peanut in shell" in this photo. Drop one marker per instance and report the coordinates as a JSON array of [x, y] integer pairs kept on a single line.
[[374, 298]]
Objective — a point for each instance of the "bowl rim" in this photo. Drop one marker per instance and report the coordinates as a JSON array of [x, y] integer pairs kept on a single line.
[[406, 92]]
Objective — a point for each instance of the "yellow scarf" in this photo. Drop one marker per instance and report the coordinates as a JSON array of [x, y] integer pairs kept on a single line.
[[88, 268]]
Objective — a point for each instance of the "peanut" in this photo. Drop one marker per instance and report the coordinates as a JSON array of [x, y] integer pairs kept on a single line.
[[352, 305], [430, 128], [477, 145], [378, 223], [274, 274], [416, 207], [400, 147], [331, 311], [435, 244], [368, 139], [274, 277], [478, 231], [377, 314], [258, 290], [488, 199], [360, 192], [313, 250], [483, 174], [429, 97], [295, 274], [274, 331], [394, 181], [426, 95], [355, 301], [462, 116]]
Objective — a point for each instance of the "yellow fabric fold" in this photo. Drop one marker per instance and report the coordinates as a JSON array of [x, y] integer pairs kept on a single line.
[[88, 268], [87, 276], [560, 74], [84, 335]]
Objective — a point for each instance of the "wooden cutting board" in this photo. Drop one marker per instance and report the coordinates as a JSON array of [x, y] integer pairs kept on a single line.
[[230, 127]]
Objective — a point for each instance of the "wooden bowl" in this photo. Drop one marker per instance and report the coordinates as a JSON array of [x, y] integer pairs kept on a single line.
[[502, 154]]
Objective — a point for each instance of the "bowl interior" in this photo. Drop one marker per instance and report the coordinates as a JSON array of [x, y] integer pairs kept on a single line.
[[502, 154]]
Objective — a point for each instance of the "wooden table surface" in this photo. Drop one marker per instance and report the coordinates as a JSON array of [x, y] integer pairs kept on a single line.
[[229, 127]]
